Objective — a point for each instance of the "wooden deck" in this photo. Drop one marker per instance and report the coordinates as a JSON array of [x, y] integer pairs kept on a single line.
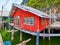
[[55, 25]]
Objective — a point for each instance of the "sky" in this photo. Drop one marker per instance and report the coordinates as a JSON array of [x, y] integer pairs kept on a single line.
[[8, 4]]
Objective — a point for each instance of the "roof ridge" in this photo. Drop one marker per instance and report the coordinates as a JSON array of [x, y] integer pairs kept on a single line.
[[33, 10]]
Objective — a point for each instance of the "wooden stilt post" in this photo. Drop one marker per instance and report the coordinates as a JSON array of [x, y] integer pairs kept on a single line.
[[37, 38], [44, 38], [49, 33], [44, 35], [20, 36], [49, 23], [12, 34]]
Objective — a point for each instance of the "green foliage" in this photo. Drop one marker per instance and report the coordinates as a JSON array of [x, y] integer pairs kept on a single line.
[[57, 3], [0, 18], [40, 4], [16, 38], [5, 35], [48, 3], [35, 4]]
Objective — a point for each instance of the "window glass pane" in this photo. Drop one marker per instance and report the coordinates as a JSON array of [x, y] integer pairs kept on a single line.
[[29, 21], [25, 20]]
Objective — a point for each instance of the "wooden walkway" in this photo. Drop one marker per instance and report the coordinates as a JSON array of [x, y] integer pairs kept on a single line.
[[55, 25], [1, 41]]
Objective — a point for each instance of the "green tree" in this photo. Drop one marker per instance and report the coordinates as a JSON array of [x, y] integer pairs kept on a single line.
[[39, 4], [57, 3], [35, 4]]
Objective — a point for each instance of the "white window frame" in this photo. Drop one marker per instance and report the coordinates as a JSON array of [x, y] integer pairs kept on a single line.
[[28, 21], [16, 19]]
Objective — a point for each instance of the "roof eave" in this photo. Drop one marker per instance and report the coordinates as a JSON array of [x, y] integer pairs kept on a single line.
[[29, 10]]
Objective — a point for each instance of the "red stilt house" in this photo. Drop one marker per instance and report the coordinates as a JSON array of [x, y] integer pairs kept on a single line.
[[28, 18]]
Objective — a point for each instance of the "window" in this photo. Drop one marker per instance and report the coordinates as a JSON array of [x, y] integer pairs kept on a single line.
[[29, 21], [17, 20], [43, 20]]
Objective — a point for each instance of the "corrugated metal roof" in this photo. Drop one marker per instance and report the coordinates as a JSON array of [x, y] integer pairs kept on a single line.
[[32, 10]]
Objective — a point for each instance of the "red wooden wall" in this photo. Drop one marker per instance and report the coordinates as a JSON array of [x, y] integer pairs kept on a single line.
[[37, 21]]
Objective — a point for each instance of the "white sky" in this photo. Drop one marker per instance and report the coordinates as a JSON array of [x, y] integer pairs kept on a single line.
[[9, 4]]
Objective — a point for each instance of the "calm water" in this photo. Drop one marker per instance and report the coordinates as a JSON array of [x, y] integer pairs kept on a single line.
[[53, 41]]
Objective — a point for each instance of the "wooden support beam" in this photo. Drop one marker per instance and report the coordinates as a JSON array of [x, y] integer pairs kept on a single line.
[[37, 38], [20, 36], [44, 35], [24, 42], [12, 33], [49, 32]]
